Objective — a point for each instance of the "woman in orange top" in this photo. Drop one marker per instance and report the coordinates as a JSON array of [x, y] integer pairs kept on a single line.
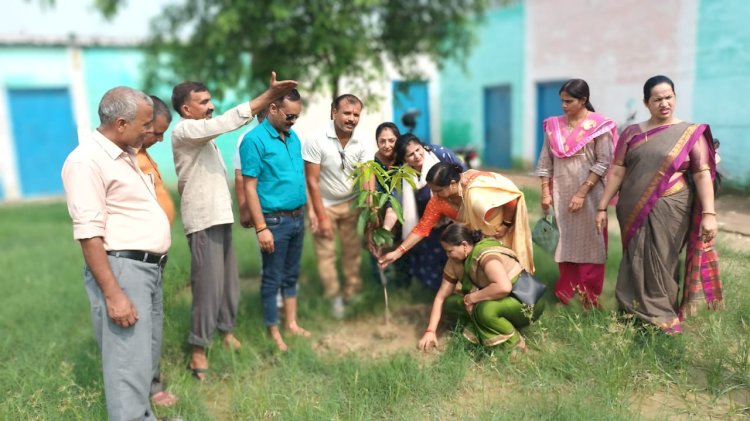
[[484, 201]]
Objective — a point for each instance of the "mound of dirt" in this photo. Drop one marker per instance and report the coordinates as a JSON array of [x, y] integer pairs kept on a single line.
[[373, 337]]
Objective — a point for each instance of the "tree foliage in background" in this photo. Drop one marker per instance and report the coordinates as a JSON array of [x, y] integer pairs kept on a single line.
[[234, 44]]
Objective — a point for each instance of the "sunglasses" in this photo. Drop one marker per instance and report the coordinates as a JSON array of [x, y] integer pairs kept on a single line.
[[289, 117], [343, 160]]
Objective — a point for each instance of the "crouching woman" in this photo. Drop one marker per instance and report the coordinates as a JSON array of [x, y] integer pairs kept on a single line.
[[487, 271]]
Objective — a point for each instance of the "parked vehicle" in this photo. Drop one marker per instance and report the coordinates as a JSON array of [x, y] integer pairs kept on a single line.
[[470, 156]]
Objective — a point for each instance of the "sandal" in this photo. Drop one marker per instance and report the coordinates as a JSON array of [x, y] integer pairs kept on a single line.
[[198, 372], [163, 399]]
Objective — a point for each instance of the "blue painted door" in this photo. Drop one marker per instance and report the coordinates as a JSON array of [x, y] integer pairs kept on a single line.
[[547, 105], [497, 144], [44, 133], [412, 97]]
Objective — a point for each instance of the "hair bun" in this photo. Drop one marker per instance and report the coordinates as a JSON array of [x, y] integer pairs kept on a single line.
[[476, 236]]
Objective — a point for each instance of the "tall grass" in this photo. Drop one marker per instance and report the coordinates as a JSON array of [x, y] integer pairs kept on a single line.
[[581, 365]]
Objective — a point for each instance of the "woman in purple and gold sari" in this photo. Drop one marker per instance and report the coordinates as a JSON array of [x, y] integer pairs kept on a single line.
[[660, 211], [576, 154]]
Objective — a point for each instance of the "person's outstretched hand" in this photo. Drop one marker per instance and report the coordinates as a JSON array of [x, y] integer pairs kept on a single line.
[[280, 87], [429, 339]]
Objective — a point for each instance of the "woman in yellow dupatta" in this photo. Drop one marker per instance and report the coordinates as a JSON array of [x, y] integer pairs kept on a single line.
[[484, 201]]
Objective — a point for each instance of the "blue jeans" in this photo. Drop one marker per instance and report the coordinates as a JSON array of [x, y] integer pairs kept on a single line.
[[281, 268]]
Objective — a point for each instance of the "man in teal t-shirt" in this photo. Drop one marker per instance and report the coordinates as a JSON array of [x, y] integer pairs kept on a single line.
[[274, 181]]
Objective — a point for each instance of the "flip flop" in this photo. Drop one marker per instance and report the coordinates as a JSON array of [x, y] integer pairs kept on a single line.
[[163, 399], [198, 371]]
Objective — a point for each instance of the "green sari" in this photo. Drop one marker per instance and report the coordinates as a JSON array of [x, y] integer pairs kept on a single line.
[[493, 322]]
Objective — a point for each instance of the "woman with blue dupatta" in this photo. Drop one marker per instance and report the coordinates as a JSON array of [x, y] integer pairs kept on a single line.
[[664, 170]]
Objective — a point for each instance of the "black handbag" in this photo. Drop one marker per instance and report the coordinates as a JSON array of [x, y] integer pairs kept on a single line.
[[527, 289]]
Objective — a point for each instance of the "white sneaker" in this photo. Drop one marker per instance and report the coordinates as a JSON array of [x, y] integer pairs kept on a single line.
[[337, 308]]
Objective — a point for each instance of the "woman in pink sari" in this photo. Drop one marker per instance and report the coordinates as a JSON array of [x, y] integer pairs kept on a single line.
[[576, 154], [660, 210]]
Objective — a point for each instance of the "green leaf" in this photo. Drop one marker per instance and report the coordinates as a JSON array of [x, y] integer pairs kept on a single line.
[[383, 199], [396, 205], [362, 222], [362, 198]]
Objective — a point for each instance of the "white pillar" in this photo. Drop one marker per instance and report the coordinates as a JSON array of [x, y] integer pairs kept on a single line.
[[78, 91], [8, 168]]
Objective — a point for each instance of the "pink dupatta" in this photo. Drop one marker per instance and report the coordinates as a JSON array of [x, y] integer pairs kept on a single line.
[[564, 143]]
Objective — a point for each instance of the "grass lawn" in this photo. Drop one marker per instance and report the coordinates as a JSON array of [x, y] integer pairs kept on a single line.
[[580, 365]]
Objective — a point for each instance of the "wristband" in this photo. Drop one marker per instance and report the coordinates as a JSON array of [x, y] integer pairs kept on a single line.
[[260, 227], [260, 230], [402, 248]]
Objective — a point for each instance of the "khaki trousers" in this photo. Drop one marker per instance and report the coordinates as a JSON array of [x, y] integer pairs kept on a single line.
[[343, 219]]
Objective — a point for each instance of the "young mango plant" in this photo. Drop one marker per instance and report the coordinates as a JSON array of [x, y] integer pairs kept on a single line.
[[377, 188]]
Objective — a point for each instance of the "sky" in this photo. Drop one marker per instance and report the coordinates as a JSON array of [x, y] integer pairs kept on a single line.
[[33, 18]]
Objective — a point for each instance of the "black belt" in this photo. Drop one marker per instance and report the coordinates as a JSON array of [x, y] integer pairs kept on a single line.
[[295, 212], [141, 256]]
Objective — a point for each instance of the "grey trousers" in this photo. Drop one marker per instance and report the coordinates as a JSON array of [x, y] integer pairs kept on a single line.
[[130, 355], [215, 283]]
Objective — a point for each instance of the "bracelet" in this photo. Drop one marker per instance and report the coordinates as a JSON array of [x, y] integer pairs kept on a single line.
[[402, 248], [507, 223], [602, 210], [589, 183], [260, 227], [260, 230], [708, 213]]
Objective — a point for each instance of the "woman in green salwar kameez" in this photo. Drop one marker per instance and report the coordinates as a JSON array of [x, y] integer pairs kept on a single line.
[[487, 271]]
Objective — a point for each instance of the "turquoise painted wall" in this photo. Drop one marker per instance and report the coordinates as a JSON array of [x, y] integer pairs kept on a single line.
[[722, 82], [497, 59], [109, 67], [28, 67]]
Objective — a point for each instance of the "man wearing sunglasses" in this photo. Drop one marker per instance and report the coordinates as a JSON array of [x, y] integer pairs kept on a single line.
[[207, 210], [329, 157], [274, 179]]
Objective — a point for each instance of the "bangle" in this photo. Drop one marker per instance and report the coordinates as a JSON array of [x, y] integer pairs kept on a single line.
[[602, 210], [708, 213], [588, 183], [402, 248], [260, 230], [507, 223]]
